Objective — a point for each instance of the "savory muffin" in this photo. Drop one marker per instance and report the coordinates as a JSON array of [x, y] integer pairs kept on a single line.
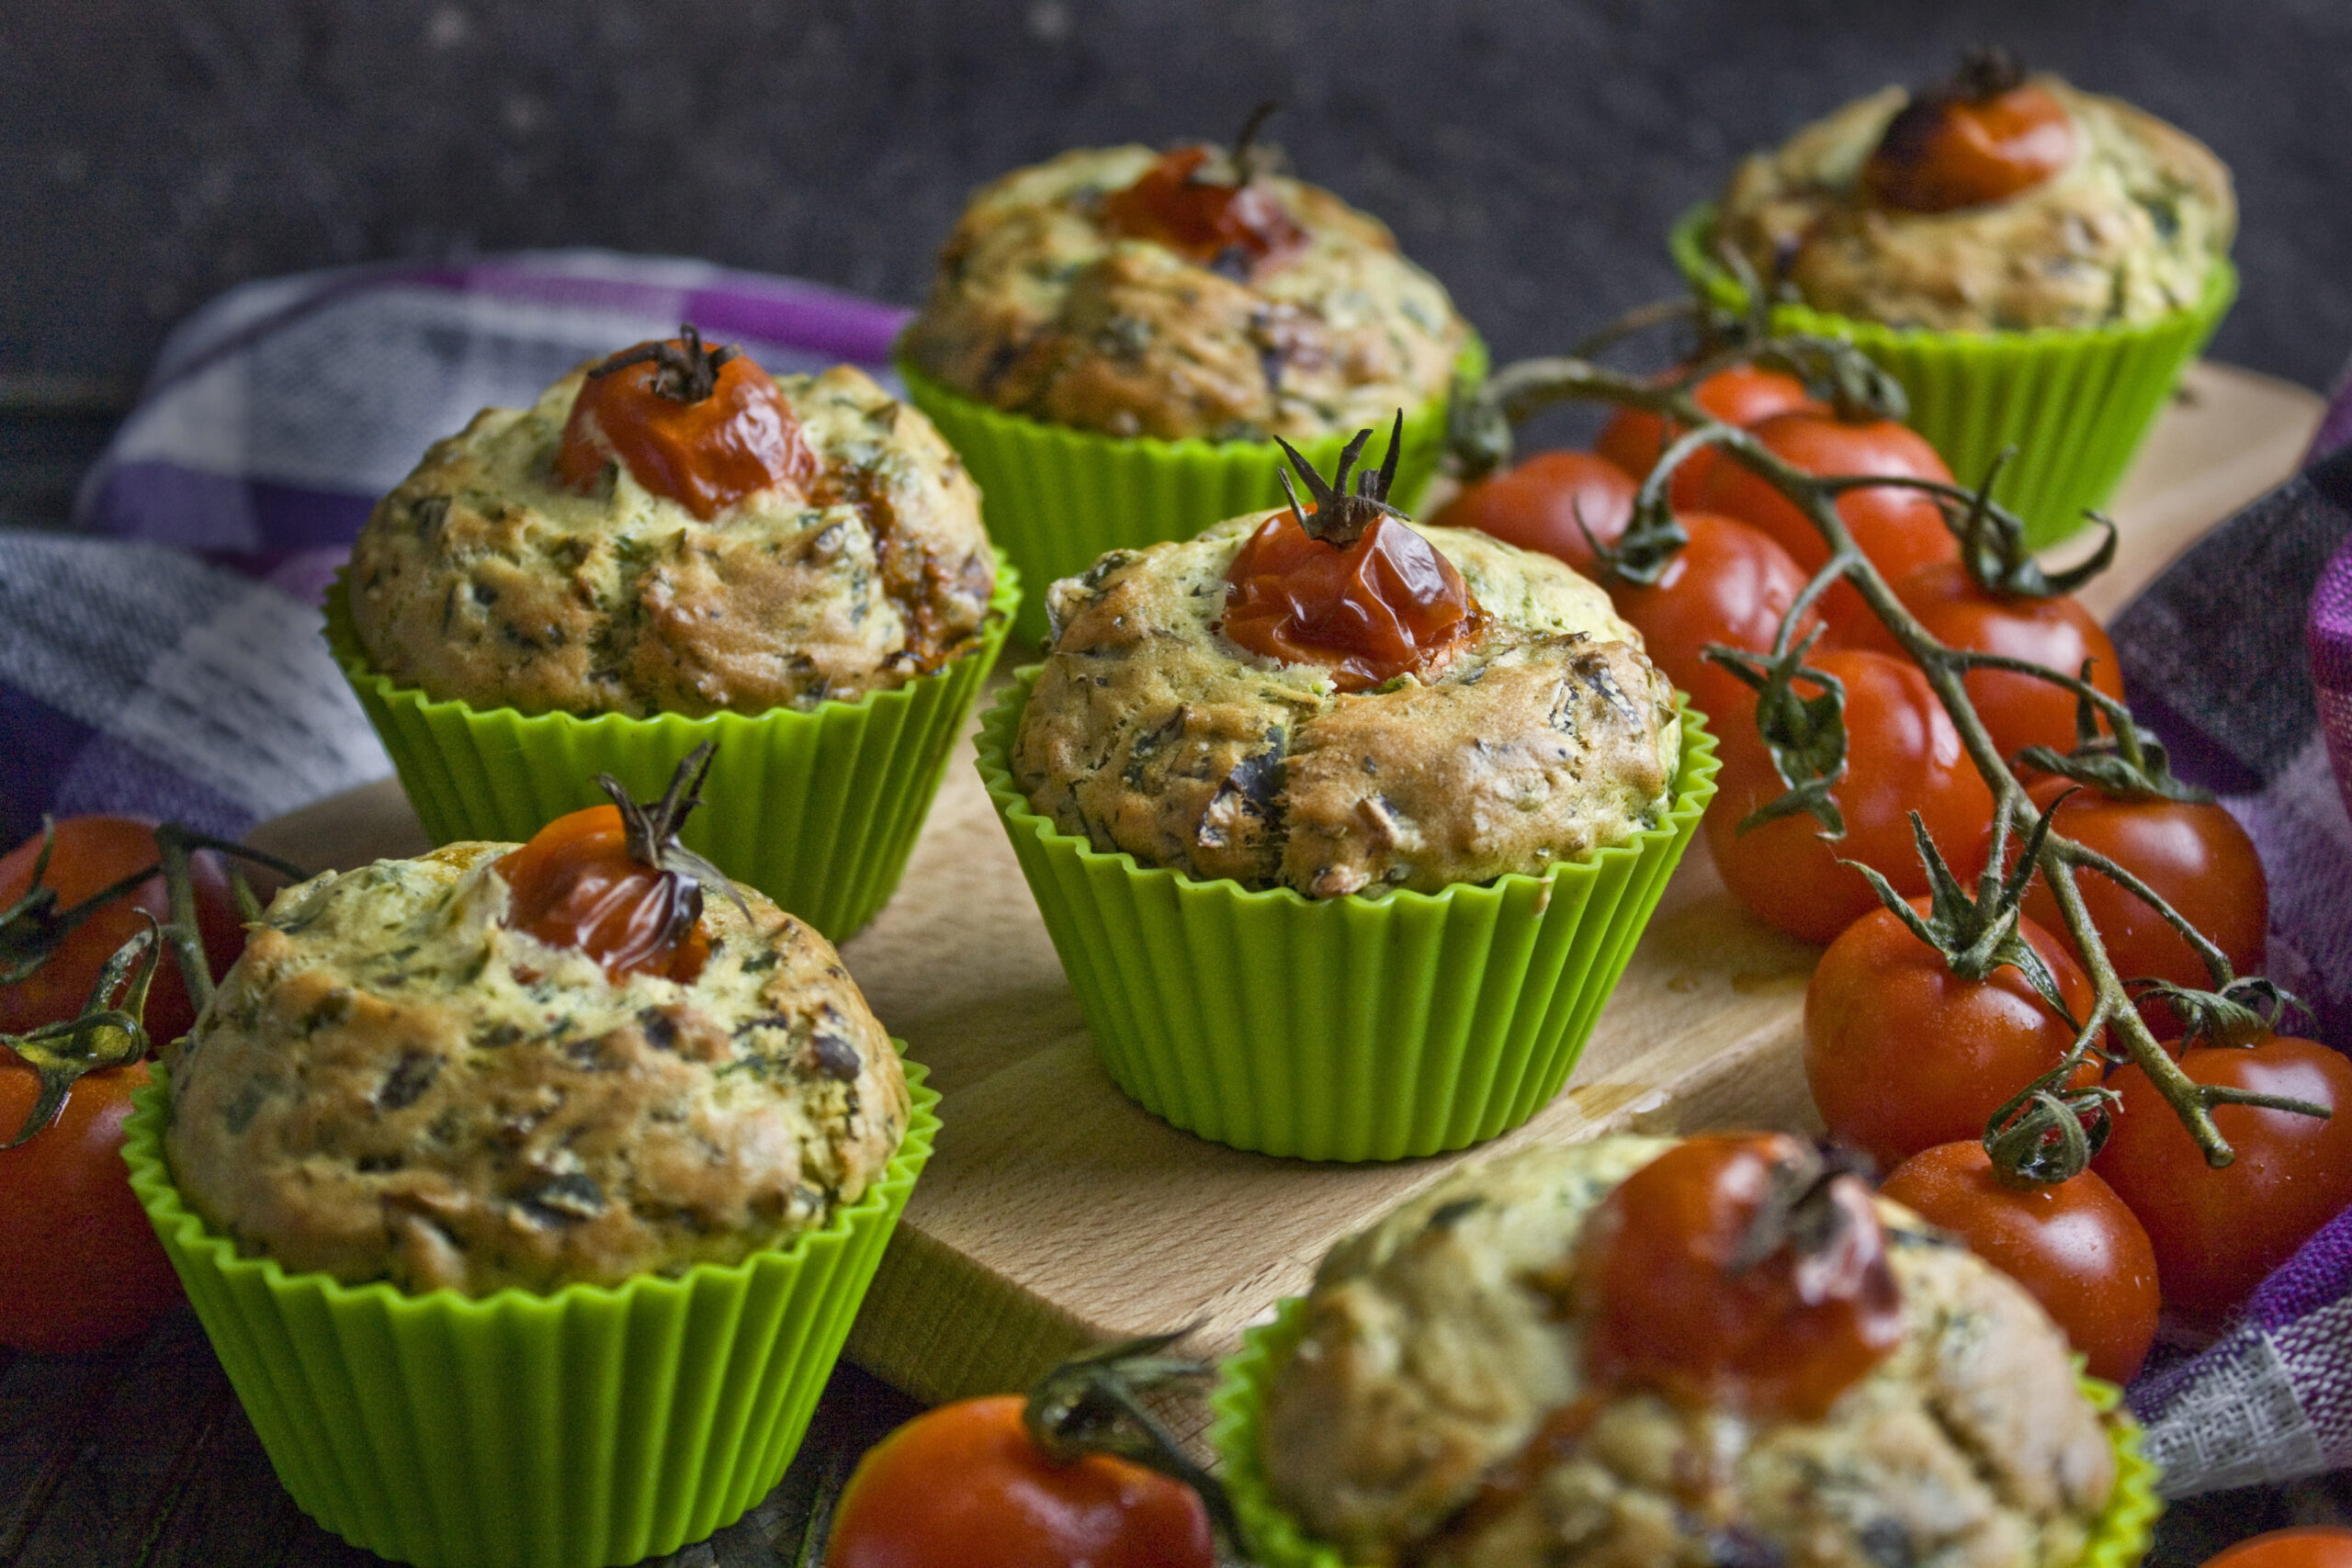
[[626, 546], [1461, 1392], [2105, 215], [1190, 294], [1528, 728], [411, 1076]]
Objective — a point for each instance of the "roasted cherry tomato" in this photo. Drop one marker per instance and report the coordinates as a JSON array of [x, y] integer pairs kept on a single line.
[[2074, 1247], [1899, 529], [962, 1486], [1243, 229], [1730, 585], [1740, 395], [2217, 1233], [1983, 138], [703, 426], [80, 1266], [89, 855], [577, 884], [2057, 633], [1384, 605], [1536, 506], [2307, 1546], [1900, 1054], [1673, 1306], [2196, 856], [1902, 755]]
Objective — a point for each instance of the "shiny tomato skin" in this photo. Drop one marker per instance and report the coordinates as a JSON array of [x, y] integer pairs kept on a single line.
[[576, 884], [80, 1267], [1902, 755], [1899, 529], [1945, 152], [2217, 1233], [1738, 394], [1536, 506], [1900, 1054], [740, 440], [962, 1486], [2194, 855], [2057, 633], [2305, 1546], [1731, 585], [2076, 1247], [90, 854]]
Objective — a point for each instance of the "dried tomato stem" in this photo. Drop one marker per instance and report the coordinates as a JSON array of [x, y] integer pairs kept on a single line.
[[173, 842], [1483, 441]]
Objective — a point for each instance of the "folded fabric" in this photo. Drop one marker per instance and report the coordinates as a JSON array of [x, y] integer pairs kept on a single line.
[[166, 661]]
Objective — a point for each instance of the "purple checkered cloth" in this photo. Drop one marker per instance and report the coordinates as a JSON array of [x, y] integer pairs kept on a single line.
[[166, 661]]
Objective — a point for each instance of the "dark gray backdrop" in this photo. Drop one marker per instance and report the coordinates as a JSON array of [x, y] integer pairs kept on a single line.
[[1532, 154]]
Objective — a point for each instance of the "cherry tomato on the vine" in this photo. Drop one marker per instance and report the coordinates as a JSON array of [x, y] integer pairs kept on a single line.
[[90, 854], [1535, 505], [1730, 585], [1899, 529], [2217, 1233], [1738, 394], [2074, 1247], [2306, 1546], [962, 1486], [2196, 856], [2058, 633], [1900, 1054], [80, 1266], [1902, 755]]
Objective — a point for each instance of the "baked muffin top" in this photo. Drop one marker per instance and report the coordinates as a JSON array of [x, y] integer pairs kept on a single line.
[[1546, 733], [2127, 229], [1445, 1364], [486, 577], [1045, 304], [392, 1084]]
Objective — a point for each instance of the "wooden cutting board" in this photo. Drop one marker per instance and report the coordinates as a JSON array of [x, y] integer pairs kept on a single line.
[[1056, 1214]]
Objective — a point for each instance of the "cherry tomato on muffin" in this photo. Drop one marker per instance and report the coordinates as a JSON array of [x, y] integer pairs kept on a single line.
[[2305, 1546], [88, 855], [1685, 1297], [2217, 1233], [1902, 1054], [2057, 633], [1738, 394], [80, 1266], [963, 1486], [1902, 755], [1983, 138], [2194, 855], [703, 426], [2074, 1245], [1730, 585], [1899, 529], [1240, 227], [1536, 505]]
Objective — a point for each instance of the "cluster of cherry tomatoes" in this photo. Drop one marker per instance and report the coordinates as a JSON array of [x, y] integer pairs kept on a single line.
[[1906, 1059]]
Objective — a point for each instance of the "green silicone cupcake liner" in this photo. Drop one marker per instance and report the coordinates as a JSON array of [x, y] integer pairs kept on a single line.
[[1056, 498], [593, 1426], [2119, 1538], [1344, 1029], [2076, 403], [817, 809]]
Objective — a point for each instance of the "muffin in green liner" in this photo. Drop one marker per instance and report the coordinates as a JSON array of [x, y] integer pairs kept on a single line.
[[1354, 1028], [591, 1425], [1058, 497], [2118, 1540], [837, 793], [2076, 403]]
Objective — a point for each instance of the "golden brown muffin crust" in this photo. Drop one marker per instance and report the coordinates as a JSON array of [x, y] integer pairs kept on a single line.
[[391, 1085], [1037, 309], [1548, 736], [2127, 234], [480, 579]]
